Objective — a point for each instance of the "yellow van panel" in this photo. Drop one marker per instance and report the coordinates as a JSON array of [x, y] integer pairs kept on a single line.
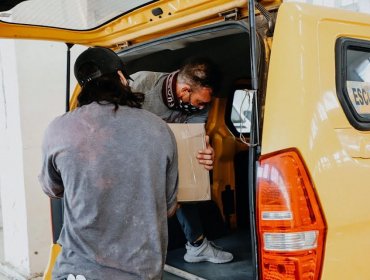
[[302, 110], [54, 252]]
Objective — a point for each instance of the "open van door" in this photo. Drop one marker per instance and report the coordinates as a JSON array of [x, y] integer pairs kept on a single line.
[[129, 26]]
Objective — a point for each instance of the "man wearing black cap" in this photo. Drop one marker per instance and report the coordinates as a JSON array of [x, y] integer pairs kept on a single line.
[[105, 159], [183, 96]]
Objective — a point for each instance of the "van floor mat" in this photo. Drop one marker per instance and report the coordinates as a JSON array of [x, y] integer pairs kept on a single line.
[[240, 268]]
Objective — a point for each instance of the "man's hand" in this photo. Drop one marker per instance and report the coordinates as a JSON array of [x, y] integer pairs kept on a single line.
[[206, 156], [172, 211]]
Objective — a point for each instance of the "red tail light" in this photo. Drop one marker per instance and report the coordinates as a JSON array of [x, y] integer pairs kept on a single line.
[[291, 226]]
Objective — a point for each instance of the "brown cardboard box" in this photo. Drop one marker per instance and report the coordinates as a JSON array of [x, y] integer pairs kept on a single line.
[[194, 182]]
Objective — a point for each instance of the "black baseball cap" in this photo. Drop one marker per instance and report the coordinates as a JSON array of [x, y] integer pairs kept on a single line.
[[96, 62]]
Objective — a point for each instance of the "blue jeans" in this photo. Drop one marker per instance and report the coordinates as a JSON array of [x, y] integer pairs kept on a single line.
[[189, 219]]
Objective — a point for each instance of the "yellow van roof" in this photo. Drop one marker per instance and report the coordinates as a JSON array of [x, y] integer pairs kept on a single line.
[[109, 22]]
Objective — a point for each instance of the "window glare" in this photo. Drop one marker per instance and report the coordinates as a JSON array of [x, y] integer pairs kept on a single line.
[[358, 81], [69, 14], [362, 6]]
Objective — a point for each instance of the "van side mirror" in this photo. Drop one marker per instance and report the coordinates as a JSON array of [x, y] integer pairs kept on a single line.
[[242, 110]]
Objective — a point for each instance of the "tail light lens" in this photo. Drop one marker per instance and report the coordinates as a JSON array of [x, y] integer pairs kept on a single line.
[[291, 225]]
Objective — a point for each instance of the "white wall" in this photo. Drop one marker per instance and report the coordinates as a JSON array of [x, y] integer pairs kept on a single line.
[[12, 190], [32, 93]]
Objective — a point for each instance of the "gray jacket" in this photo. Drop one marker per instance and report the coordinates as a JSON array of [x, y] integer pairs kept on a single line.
[[117, 172]]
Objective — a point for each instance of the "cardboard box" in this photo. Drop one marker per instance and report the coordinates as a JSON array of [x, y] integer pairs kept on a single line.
[[194, 182]]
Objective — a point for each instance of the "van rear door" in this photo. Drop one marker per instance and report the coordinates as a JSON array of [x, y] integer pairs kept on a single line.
[[317, 103]]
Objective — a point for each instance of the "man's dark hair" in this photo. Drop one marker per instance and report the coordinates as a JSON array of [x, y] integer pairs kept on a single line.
[[107, 88], [200, 71], [96, 71]]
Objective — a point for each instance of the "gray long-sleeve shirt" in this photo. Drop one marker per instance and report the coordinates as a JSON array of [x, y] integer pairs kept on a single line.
[[118, 175], [150, 83]]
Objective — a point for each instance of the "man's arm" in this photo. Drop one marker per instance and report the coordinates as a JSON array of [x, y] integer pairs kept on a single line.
[[172, 210], [50, 178], [172, 179]]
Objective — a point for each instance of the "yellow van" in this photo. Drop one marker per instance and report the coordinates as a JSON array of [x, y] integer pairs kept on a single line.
[[290, 124]]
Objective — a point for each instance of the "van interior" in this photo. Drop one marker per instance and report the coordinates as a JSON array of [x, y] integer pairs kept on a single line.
[[226, 218]]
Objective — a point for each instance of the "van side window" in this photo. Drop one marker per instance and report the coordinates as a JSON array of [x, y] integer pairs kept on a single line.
[[353, 80]]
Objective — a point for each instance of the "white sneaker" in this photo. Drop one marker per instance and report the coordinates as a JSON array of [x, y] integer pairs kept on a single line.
[[71, 277], [208, 251], [78, 277]]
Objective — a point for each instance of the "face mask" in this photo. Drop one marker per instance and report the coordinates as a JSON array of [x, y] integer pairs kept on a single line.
[[187, 107]]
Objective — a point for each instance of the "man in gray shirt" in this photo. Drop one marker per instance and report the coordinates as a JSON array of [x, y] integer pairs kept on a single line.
[[115, 165], [183, 96]]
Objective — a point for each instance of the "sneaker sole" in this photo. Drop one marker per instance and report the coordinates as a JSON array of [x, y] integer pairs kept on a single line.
[[205, 259]]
